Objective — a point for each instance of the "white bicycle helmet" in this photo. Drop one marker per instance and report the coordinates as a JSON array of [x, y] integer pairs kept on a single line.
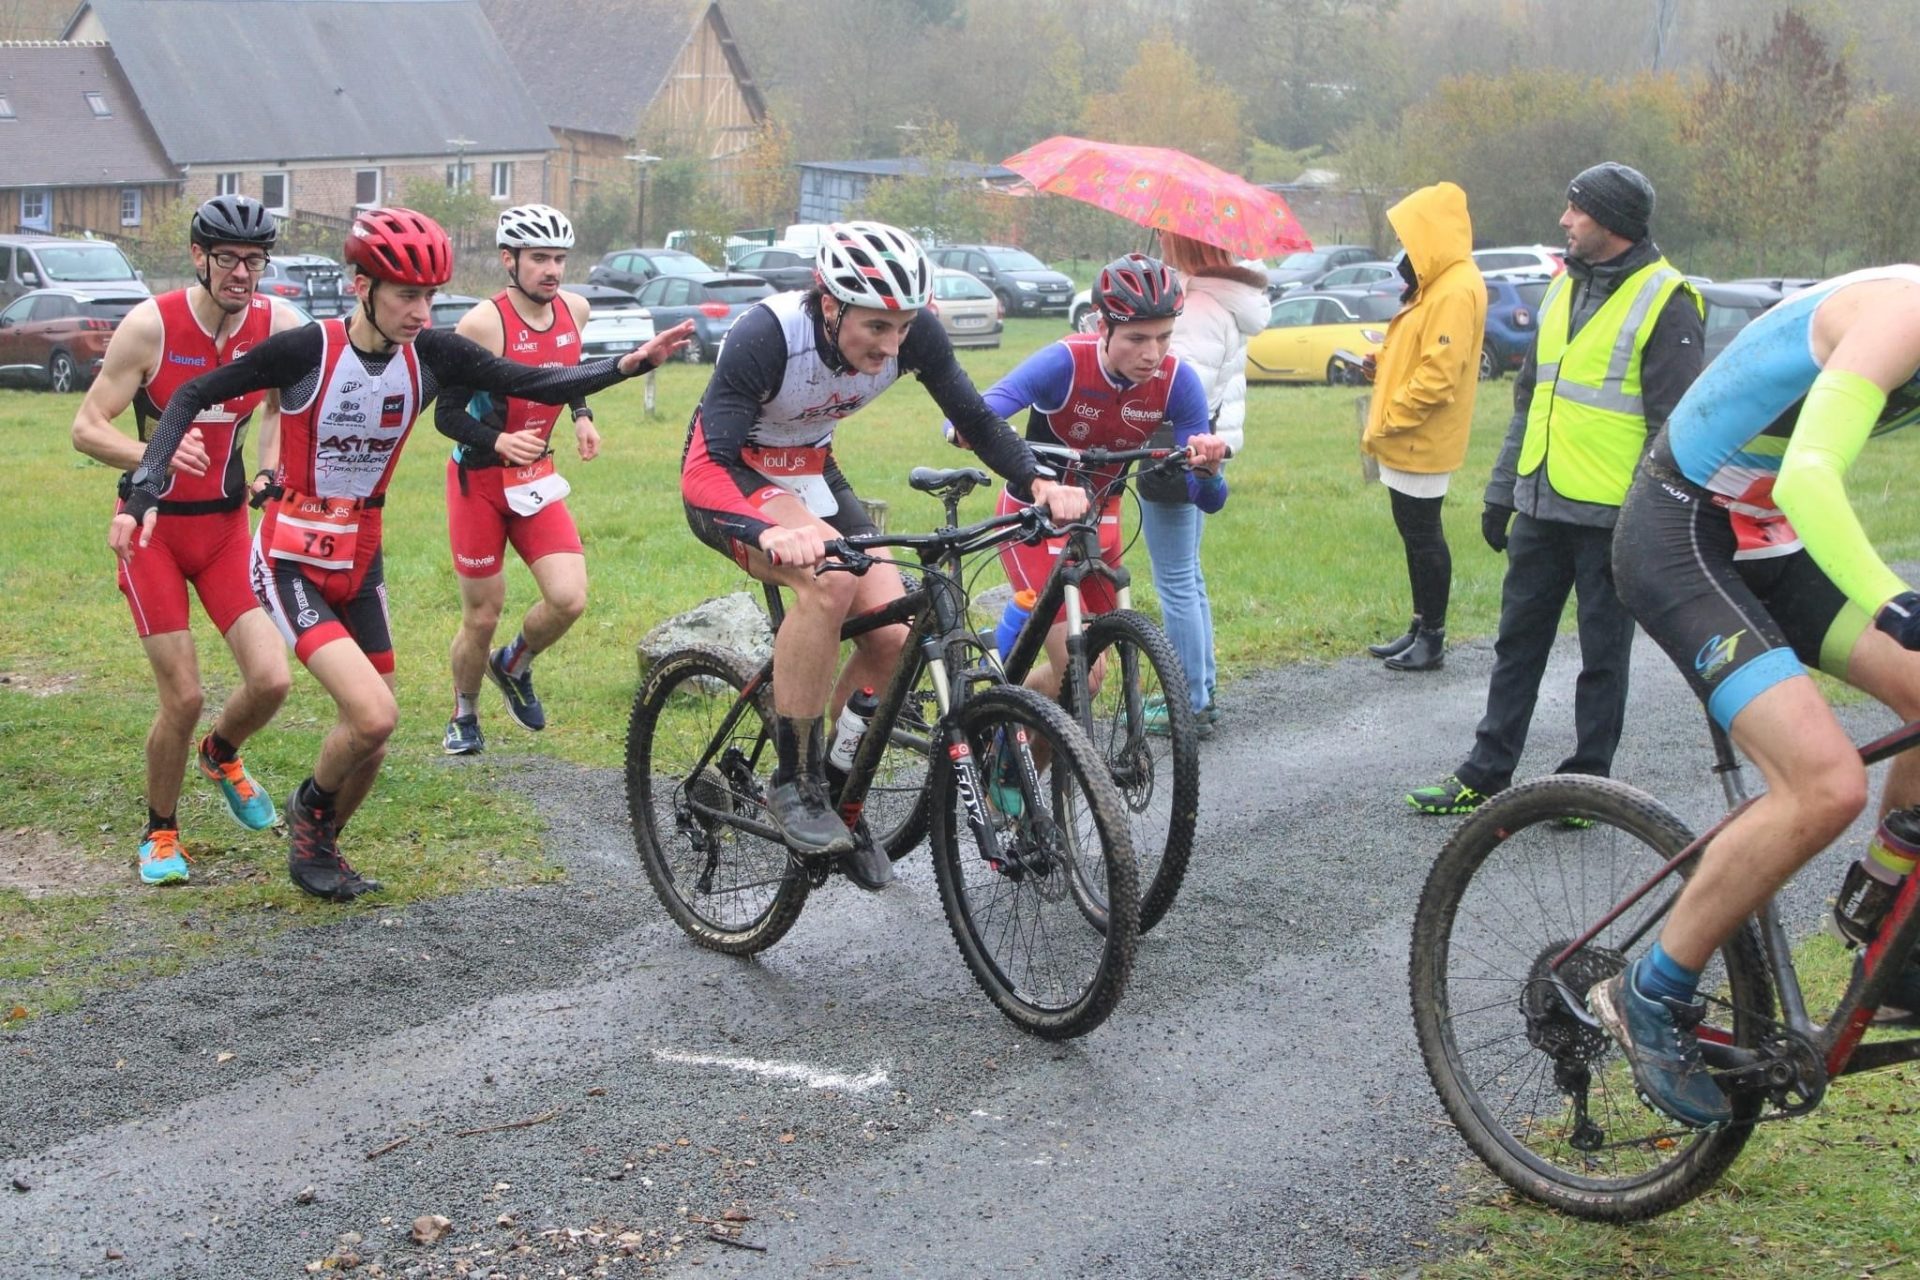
[[869, 264], [534, 226]]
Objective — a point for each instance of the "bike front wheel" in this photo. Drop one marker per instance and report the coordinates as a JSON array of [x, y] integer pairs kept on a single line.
[[699, 753], [1539, 1091], [1142, 724], [1015, 844]]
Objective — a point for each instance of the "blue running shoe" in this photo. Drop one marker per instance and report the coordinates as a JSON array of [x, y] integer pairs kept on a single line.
[[463, 737], [162, 860], [522, 703], [1658, 1038], [246, 799]]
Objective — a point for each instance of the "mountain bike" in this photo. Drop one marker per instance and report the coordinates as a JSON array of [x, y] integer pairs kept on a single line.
[[1031, 852], [1524, 912]]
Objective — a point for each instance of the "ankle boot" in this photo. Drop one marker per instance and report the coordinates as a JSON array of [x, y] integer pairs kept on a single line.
[[1387, 648], [1426, 653]]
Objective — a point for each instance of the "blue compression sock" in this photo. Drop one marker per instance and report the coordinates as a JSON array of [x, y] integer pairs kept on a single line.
[[1658, 975]]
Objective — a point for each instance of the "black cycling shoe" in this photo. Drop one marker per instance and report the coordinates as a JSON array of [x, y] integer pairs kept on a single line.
[[807, 822], [313, 860], [523, 704], [867, 865]]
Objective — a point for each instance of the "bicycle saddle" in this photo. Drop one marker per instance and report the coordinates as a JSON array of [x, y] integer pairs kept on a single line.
[[963, 480]]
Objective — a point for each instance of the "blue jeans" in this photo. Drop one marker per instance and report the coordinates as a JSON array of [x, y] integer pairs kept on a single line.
[[1173, 531]]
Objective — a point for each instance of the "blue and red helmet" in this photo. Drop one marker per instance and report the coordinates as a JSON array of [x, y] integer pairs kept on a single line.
[[1137, 287]]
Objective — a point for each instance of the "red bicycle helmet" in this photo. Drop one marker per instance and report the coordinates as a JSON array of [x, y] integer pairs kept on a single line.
[[1137, 287], [400, 247]]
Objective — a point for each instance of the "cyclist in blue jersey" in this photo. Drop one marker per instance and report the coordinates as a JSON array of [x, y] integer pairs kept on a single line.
[[1738, 552]]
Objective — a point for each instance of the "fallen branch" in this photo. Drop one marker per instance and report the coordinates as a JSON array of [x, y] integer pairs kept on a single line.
[[542, 1118], [395, 1145], [738, 1244]]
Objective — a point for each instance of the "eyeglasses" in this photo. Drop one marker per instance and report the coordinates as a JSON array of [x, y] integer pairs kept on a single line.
[[255, 262]]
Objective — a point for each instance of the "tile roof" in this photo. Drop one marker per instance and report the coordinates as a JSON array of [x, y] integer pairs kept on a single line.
[[55, 139]]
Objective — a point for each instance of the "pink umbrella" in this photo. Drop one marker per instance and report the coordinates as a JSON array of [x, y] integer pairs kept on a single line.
[[1167, 190]]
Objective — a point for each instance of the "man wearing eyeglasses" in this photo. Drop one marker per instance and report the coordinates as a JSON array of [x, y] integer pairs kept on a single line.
[[162, 344]]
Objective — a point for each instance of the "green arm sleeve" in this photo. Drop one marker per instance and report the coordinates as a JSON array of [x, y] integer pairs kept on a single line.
[[1834, 423]]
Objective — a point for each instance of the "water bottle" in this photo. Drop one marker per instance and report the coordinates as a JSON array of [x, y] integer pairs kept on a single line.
[[1874, 881], [1018, 610], [851, 727]]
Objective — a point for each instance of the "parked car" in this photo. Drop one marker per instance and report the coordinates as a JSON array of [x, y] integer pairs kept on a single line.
[[448, 308], [1734, 304], [1307, 329], [317, 284], [968, 310], [1520, 259], [616, 322], [1025, 285], [57, 338], [1513, 319], [1360, 275], [1303, 270], [96, 267], [713, 300], [630, 269], [784, 269]]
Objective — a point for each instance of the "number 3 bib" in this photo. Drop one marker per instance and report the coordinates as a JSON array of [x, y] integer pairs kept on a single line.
[[322, 532], [532, 489], [800, 471]]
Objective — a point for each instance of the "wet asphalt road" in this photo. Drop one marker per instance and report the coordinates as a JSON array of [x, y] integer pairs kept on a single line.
[[1255, 1108]]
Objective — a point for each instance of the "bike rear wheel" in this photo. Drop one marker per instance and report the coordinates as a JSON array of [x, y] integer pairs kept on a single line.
[[731, 889], [1158, 776], [1507, 1053], [1013, 899]]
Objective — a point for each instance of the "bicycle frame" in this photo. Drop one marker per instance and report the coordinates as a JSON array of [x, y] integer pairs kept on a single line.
[[1837, 1040]]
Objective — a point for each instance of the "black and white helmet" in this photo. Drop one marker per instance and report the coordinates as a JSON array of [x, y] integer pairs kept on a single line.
[[869, 264], [534, 226], [233, 220]]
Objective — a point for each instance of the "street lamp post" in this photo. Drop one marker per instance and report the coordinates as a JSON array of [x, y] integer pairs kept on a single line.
[[641, 161]]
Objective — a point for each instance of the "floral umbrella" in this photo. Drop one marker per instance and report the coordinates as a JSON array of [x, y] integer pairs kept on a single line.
[[1167, 190]]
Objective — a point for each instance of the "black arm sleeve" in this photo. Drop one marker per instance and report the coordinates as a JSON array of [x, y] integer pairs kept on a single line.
[[1671, 359], [928, 354], [279, 364], [455, 361]]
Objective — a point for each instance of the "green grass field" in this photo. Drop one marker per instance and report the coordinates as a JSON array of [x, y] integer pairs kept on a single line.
[[1303, 565]]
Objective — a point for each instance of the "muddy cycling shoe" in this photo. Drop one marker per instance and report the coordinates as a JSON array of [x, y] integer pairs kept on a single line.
[[866, 864], [807, 822], [1448, 796], [313, 860], [1657, 1036]]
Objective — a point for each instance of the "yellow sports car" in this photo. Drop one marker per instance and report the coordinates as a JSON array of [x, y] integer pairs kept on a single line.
[[1309, 333]]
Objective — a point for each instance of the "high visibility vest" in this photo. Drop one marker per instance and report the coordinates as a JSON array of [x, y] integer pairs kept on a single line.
[[1587, 422]]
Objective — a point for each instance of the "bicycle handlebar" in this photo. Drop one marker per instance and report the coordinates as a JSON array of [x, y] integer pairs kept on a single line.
[[853, 554]]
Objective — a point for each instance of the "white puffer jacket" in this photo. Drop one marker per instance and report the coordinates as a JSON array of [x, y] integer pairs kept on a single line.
[[1221, 314]]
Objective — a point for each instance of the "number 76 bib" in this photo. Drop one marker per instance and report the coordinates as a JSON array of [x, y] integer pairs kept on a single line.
[[322, 532]]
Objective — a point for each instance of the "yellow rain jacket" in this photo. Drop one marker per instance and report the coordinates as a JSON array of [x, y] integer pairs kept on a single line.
[[1429, 368]]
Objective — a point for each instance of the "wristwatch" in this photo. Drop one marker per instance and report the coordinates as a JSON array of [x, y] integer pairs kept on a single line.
[[146, 479]]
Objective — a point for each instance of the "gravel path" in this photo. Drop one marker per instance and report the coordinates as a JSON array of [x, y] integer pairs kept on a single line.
[[1255, 1108]]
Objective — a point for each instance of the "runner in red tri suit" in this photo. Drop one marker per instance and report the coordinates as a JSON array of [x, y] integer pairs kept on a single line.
[[350, 391], [490, 503], [162, 344]]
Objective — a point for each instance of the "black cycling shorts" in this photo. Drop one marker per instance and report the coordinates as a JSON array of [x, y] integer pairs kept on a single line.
[[849, 521]]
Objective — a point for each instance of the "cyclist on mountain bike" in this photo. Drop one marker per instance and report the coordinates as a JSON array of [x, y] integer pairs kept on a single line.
[[1112, 388], [350, 390], [761, 487], [1739, 554]]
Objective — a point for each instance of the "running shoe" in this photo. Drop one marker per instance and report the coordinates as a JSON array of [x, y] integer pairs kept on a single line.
[[1658, 1038], [463, 737], [1160, 724], [162, 860], [523, 704], [246, 799], [1448, 796], [806, 820], [313, 858]]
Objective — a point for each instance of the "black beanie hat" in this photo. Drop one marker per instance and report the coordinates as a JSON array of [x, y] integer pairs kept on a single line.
[[1616, 196]]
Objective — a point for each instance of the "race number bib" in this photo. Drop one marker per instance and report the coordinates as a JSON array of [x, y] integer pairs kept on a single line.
[[800, 471], [322, 532], [532, 489]]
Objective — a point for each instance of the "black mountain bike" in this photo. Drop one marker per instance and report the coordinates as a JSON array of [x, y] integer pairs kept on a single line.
[[1524, 912], [1032, 856]]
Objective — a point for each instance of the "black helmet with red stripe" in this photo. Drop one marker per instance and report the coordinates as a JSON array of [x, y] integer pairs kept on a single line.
[[400, 246], [1137, 287]]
